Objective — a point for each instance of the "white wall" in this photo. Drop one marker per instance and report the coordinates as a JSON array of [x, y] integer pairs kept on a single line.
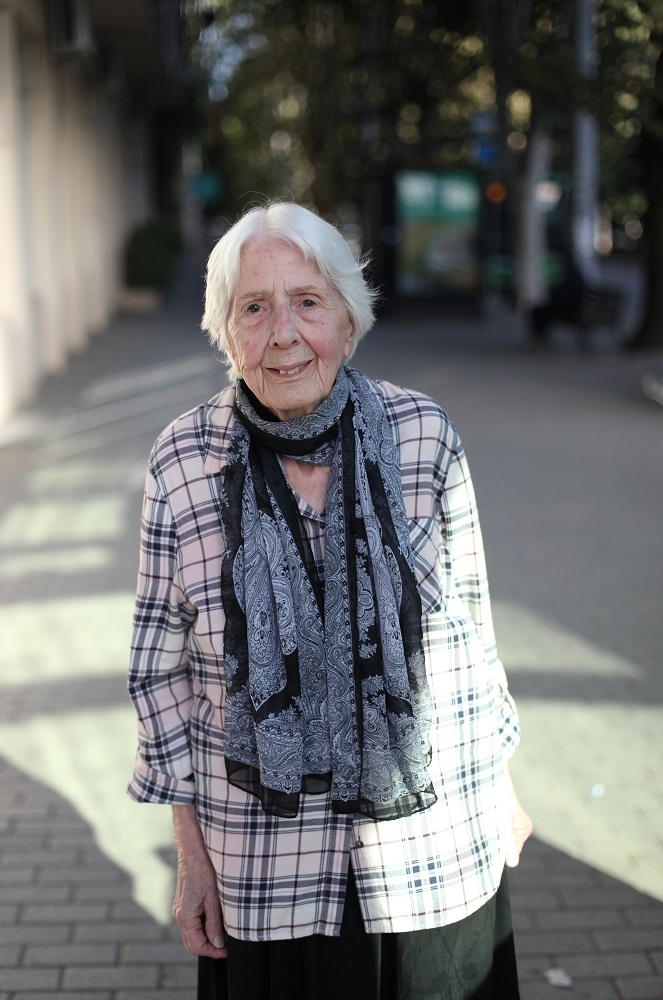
[[72, 181]]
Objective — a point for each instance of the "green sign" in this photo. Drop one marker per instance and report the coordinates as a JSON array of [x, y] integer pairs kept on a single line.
[[207, 186], [437, 216]]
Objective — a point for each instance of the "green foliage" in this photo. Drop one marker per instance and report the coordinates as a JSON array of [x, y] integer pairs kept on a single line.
[[150, 254], [311, 99]]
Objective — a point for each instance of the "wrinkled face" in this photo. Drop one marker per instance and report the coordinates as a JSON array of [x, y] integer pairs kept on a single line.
[[289, 330]]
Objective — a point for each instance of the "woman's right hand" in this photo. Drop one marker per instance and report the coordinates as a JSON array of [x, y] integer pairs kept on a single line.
[[196, 909]]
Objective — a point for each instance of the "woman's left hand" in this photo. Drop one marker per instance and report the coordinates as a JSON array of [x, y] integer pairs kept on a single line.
[[520, 825], [197, 908]]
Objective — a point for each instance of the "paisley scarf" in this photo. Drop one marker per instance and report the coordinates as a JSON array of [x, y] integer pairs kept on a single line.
[[326, 685]]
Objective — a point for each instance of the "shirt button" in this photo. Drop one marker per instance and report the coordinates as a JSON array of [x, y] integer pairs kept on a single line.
[[359, 843]]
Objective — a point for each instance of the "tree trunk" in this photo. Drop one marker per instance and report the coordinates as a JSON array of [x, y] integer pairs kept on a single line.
[[506, 25], [532, 231], [650, 331]]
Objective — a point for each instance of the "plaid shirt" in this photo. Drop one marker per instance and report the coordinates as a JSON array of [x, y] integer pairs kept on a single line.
[[284, 878]]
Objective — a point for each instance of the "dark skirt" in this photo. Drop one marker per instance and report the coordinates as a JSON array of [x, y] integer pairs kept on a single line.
[[473, 959]]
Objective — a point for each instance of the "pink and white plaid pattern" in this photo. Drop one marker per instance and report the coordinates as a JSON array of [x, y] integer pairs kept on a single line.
[[284, 878]]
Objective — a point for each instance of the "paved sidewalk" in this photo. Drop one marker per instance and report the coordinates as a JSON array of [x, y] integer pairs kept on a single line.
[[567, 458]]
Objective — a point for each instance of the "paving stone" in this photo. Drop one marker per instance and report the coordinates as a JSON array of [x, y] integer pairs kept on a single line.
[[31, 979], [161, 994], [71, 954], [183, 975], [600, 898], [66, 995], [36, 894], [523, 921], [164, 951], [641, 939], [77, 875], [580, 919], [8, 914], [645, 917], [65, 913], [582, 990], [532, 967], [111, 893], [593, 989], [24, 855], [609, 881], [536, 901], [554, 942], [556, 861], [121, 932], [61, 839], [626, 964], [641, 988], [15, 841], [111, 977], [126, 910], [530, 881], [36, 934], [9, 954], [30, 825], [16, 876]]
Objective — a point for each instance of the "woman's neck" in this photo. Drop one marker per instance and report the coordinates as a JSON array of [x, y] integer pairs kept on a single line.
[[309, 481]]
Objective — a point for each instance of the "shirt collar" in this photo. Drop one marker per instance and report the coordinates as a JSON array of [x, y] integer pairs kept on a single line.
[[218, 421]]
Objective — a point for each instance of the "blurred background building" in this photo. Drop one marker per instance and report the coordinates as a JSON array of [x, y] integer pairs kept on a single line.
[[91, 99], [471, 148]]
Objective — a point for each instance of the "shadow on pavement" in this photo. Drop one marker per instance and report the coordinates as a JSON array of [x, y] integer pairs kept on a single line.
[[555, 444]]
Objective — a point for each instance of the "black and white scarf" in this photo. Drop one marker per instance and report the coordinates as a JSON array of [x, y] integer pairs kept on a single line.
[[325, 681]]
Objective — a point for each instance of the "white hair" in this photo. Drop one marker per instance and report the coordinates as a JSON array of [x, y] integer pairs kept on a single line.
[[317, 240]]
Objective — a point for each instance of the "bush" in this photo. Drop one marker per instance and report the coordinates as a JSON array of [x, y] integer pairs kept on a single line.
[[150, 254]]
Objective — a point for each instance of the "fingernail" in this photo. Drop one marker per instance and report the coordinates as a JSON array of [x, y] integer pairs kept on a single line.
[[218, 942]]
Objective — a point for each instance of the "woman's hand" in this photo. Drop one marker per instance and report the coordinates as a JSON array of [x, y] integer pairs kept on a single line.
[[520, 825], [196, 909]]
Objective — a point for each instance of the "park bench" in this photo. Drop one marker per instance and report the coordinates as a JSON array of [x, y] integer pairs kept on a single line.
[[600, 310]]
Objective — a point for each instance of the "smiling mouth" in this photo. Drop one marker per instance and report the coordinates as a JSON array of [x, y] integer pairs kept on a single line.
[[294, 370]]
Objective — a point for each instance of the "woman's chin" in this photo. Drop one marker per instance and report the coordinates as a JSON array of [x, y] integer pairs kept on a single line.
[[292, 397]]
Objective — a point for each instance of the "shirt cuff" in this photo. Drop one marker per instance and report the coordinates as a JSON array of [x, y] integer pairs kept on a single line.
[[150, 785], [509, 727]]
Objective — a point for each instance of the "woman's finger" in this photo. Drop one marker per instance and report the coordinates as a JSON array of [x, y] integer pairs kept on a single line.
[[521, 828], [196, 940], [214, 929]]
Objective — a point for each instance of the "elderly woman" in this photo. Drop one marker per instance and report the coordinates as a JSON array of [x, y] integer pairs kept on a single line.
[[314, 665]]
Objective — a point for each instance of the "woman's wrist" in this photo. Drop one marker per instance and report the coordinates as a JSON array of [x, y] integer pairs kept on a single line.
[[187, 833]]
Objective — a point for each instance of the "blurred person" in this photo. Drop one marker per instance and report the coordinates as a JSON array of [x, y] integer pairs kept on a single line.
[[562, 304], [314, 665]]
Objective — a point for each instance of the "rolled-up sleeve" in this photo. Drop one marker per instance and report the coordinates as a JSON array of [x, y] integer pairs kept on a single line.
[[470, 581], [159, 679]]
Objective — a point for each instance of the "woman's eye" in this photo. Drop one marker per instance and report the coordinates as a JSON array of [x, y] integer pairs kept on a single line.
[[254, 307], [308, 303]]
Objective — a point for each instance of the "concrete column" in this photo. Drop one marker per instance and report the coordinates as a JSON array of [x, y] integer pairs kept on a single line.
[[14, 332], [106, 209], [47, 209], [585, 149], [113, 202], [71, 153]]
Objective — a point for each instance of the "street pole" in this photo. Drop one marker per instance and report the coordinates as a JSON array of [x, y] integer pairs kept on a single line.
[[585, 149]]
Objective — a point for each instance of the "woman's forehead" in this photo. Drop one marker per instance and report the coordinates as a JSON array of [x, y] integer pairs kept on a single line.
[[267, 254]]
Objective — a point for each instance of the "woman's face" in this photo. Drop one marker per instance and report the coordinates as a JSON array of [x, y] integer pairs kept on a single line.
[[289, 330]]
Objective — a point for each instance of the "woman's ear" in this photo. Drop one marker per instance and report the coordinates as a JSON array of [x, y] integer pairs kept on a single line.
[[349, 343]]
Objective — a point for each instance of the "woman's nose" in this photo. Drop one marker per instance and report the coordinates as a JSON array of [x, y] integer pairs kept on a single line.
[[284, 327]]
